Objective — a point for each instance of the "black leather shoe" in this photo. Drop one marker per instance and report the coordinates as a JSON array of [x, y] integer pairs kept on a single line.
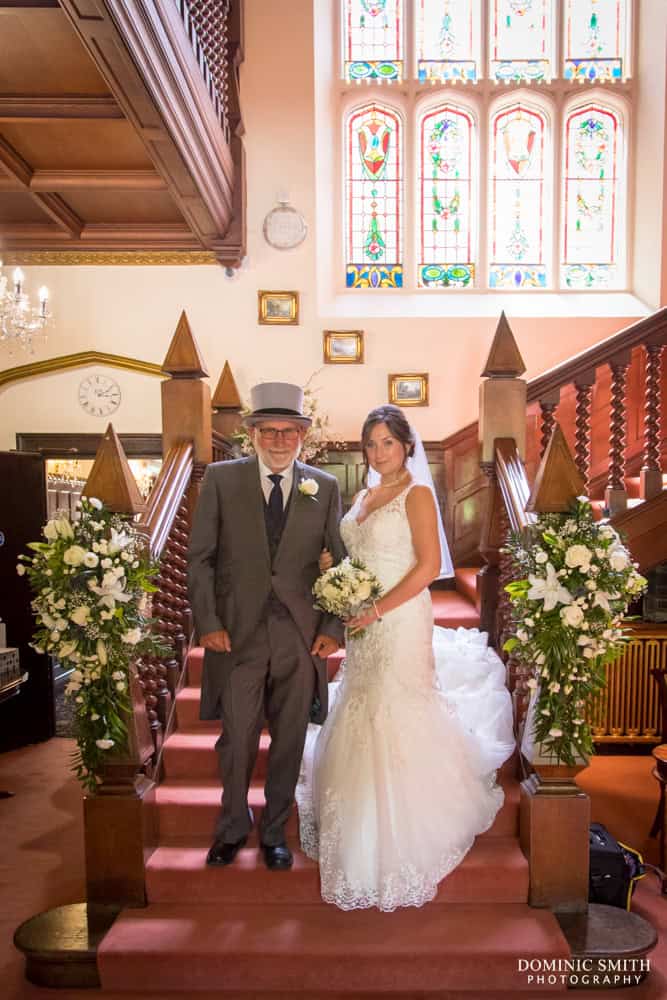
[[223, 854], [277, 856]]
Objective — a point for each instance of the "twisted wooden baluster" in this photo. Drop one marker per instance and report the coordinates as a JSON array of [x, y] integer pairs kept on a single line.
[[651, 474], [615, 495], [582, 447], [148, 684], [548, 406]]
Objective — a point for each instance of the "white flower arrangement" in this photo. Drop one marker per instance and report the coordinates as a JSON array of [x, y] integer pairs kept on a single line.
[[90, 614], [345, 589], [309, 488], [577, 582]]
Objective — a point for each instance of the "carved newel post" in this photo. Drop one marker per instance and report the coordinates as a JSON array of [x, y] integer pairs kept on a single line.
[[117, 820], [502, 414], [554, 812], [186, 399], [226, 404]]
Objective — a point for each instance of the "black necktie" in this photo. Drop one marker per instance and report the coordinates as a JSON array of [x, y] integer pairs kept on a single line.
[[276, 500]]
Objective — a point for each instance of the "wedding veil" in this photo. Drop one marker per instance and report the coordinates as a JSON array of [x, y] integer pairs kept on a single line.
[[419, 469]]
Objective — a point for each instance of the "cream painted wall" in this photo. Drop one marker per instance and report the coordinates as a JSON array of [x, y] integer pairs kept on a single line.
[[134, 311]]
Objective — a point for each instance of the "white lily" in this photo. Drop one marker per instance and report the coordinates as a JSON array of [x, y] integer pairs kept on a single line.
[[601, 600], [110, 591], [548, 589]]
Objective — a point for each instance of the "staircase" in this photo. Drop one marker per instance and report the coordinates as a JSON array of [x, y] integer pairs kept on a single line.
[[245, 930]]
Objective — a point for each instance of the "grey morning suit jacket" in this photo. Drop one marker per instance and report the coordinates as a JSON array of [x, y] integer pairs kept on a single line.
[[230, 576]]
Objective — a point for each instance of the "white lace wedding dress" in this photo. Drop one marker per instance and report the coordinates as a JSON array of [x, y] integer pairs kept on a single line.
[[400, 779]]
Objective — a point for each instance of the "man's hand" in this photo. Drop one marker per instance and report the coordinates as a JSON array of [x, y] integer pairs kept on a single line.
[[324, 646], [219, 641]]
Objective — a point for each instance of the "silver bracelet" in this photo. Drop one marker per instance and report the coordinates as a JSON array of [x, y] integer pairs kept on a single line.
[[377, 613]]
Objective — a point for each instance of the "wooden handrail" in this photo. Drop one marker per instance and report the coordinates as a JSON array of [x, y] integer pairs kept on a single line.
[[167, 495], [513, 484], [651, 329]]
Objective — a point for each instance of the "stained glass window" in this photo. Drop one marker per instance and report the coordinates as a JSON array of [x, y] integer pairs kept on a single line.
[[448, 40], [373, 180], [446, 198], [517, 246], [593, 159], [596, 39], [521, 39], [373, 39]]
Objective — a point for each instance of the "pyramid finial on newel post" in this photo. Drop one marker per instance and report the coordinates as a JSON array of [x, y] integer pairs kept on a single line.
[[502, 396], [226, 404], [186, 399], [111, 479], [558, 481]]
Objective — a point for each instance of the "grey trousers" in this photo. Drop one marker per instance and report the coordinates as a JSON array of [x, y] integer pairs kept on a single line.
[[273, 677]]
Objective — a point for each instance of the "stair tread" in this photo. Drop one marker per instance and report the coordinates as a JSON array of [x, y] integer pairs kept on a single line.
[[243, 949], [503, 851], [408, 931]]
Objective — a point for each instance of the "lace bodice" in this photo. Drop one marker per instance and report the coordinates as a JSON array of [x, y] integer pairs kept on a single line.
[[383, 540]]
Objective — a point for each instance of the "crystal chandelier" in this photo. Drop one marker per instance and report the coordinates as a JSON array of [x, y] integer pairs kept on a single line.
[[20, 321]]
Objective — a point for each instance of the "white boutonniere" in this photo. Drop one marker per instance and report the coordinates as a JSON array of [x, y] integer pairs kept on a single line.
[[309, 488]]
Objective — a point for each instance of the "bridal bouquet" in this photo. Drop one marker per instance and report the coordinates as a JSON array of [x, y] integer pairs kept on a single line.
[[345, 589], [90, 577], [577, 580]]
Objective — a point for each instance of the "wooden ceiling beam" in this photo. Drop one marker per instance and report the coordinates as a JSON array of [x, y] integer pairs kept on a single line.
[[107, 180], [63, 107], [20, 4], [102, 236], [60, 212], [14, 164]]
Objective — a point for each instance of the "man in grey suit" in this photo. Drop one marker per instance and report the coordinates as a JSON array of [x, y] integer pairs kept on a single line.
[[258, 530]]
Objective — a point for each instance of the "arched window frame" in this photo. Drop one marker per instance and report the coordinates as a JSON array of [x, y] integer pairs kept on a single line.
[[461, 101], [544, 108], [378, 276], [411, 96], [603, 98]]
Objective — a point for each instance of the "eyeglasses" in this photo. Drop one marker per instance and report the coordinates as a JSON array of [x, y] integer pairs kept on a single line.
[[270, 434]]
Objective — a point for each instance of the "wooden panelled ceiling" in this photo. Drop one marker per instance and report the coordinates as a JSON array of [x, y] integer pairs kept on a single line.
[[76, 171]]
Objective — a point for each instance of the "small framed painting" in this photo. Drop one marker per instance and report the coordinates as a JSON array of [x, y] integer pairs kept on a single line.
[[278, 307], [344, 347], [408, 390]]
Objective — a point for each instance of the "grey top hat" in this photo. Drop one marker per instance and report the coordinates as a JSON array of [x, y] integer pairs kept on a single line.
[[277, 400]]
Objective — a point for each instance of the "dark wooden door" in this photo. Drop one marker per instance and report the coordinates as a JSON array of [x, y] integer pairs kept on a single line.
[[28, 717]]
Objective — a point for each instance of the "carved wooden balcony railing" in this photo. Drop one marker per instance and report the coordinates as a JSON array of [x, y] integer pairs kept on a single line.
[[222, 447], [207, 25]]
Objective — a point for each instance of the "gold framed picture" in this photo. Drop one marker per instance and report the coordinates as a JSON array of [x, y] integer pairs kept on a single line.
[[278, 307], [344, 347], [409, 390]]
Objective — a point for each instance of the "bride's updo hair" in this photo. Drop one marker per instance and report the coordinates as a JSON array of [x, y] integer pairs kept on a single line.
[[398, 426]]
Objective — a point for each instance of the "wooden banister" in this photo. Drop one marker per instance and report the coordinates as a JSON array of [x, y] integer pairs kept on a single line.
[[651, 329], [513, 484], [167, 495]]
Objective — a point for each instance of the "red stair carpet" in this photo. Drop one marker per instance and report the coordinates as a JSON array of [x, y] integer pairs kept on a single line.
[[245, 931]]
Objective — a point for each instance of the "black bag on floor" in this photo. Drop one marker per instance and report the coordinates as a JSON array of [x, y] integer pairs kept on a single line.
[[615, 869]]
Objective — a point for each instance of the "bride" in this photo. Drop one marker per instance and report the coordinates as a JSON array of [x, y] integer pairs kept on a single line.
[[400, 779]]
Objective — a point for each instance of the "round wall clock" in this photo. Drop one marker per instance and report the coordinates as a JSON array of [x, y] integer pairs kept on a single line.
[[284, 227], [99, 395]]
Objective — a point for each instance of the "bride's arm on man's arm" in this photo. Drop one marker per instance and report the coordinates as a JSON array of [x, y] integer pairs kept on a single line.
[[422, 517]]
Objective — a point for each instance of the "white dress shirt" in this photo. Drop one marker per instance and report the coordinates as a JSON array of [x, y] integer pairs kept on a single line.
[[267, 484]]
